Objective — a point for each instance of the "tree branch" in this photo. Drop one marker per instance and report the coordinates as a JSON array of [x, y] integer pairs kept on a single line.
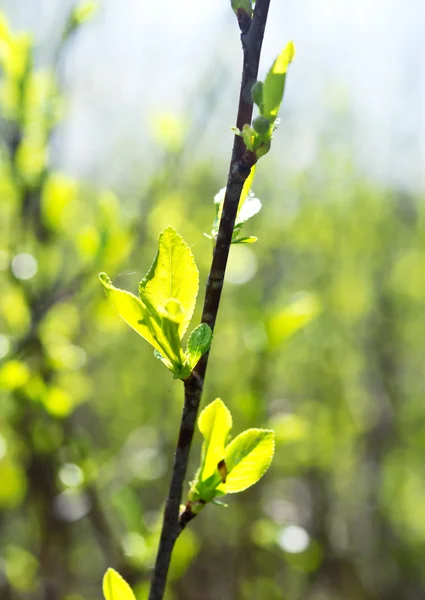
[[240, 165]]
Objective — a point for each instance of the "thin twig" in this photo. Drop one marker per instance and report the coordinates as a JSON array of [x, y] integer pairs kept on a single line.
[[240, 165]]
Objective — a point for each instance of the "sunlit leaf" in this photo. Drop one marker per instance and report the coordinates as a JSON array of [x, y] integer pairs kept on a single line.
[[13, 483], [198, 344], [246, 240], [13, 375], [246, 189], [257, 94], [151, 325], [247, 458], [244, 213], [115, 587], [168, 130], [214, 422], [84, 10], [274, 85], [58, 191], [251, 207], [172, 276], [132, 310]]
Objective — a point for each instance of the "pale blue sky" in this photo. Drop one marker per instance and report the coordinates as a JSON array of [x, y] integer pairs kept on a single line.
[[357, 58]]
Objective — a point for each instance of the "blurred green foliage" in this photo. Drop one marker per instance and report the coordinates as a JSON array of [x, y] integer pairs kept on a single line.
[[321, 336]]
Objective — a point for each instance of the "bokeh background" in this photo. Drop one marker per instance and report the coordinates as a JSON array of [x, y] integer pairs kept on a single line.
[[115, 124]]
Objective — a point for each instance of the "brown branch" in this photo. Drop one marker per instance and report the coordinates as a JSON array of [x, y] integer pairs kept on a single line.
[[240, 165]]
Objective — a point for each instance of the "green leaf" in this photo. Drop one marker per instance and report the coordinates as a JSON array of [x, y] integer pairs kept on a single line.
[[245, 195], [83, 11], [247, 458], [198, 344], [274, 84], [249, 136], [215, 423], [245, 240], [172, 276], [171, 317], [261, 124], [257, 94], [160, 329], [292, 318], [115, 587], [132, 310]]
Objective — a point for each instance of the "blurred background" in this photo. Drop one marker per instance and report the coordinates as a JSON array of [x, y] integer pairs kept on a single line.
[[115, 122]]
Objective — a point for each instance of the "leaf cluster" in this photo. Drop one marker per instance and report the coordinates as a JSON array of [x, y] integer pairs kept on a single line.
[[162, 311], [249, 206], [227, 467], [268, 96]]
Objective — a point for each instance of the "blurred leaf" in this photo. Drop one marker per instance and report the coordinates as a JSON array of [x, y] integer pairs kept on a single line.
[[247, 458], [31, 156], [13, 483], [21, 568], [15, 309], [59, 191], [84, 11], [14, 374], [58, 402], [185, 550], [115, 588], [81, 13], [292, 318]]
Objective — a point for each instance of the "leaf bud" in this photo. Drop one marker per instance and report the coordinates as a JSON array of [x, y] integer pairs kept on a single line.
[[261, 124]]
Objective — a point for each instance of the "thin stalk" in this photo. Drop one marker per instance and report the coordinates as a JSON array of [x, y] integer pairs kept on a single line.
[[240, 165]]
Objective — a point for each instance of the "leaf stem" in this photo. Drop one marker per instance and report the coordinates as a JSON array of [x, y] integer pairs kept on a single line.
[[240, 165]]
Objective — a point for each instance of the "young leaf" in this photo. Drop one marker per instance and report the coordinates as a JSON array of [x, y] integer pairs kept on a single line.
[[292, 318], [245, 194], [251, 207], [115, 587], [274, 84], [173, 275], [214, 422], [198, 344], [247, 458], [257, 94], [246, 240], [171, 316], [133, 311], [261, 124], [160, 329]]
